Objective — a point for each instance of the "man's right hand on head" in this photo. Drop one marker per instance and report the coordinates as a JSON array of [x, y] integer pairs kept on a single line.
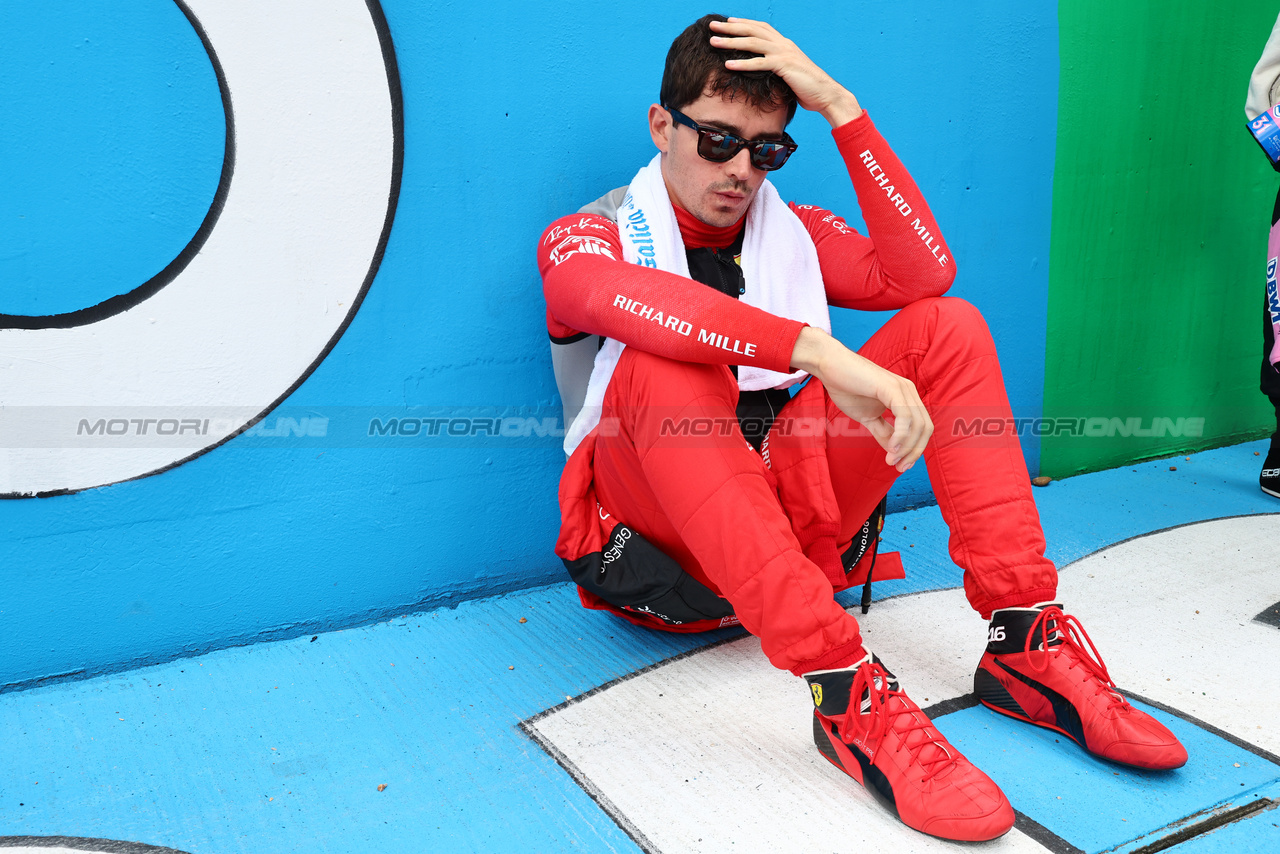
[[886, 404]]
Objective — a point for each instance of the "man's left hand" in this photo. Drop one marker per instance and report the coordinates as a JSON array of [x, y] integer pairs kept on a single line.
[[814, 88]]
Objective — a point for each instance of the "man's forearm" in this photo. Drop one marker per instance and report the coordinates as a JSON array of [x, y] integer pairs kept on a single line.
[[903, 259], [589, 289], [898, 217]]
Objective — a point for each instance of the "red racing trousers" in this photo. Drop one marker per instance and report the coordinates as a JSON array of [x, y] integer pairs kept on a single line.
[[764, 530]]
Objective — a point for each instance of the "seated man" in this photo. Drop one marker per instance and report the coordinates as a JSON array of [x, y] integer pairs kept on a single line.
[[685, 310]]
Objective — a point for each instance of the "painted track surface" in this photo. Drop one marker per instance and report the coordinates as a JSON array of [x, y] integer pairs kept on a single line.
[[282, 746]]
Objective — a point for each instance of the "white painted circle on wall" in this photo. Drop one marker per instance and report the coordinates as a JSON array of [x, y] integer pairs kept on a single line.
[[314, 102], [75, 845]]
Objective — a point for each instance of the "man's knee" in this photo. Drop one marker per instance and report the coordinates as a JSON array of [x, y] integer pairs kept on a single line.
[[952, 311], [956, 320]]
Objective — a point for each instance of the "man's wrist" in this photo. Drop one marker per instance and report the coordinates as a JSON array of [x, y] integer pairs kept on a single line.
[[843, 109], [811, 350]]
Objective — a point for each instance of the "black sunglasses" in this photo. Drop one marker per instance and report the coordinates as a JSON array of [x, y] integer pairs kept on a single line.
[[719, 145]]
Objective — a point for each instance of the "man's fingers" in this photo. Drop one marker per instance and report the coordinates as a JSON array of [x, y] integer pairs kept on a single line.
[[757, 63], [887, 435], [901, 432], [900, 443], [742, 26], [912, 429], [902, 435], [749, 36], [773, 56], [881, 430], [750, 44]]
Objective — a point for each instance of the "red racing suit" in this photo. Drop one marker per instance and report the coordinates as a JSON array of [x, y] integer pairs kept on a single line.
[[767, 530]]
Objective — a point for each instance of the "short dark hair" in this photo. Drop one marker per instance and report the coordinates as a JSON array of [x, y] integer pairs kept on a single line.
[[694, 67]]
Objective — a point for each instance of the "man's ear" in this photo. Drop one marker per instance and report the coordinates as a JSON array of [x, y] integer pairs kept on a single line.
[[660, 127]]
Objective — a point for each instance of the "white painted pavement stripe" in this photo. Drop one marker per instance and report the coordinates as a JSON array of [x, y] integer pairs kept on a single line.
[[1172, 615], [714, 751]]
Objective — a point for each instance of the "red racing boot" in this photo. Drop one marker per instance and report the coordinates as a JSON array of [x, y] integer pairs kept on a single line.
[[889, 746], [1065, 687]]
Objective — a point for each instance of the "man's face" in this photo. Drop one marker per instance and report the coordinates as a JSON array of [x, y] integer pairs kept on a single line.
[[716, 193]]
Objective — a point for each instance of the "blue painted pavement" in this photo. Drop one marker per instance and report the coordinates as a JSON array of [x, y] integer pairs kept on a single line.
[[1094, 804]]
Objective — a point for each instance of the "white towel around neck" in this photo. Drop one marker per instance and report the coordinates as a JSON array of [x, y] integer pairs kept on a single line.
[[779, 264]]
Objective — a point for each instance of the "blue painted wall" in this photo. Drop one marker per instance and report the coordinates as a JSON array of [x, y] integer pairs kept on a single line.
[[115, 113], [510, 120]]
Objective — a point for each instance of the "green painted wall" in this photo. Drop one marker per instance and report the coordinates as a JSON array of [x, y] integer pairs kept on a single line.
[[1161, 208]]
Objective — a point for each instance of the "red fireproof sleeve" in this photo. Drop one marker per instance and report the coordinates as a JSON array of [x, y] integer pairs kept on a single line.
[[903, 258], [590, 288]]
